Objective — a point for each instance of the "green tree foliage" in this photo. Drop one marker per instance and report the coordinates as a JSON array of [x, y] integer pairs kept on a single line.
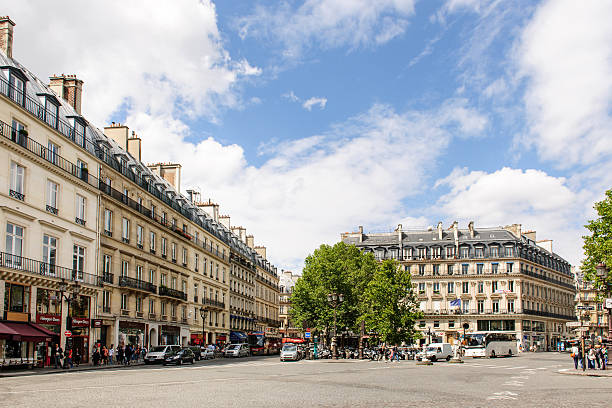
[[598, 246], [340, 268], [390, 306]]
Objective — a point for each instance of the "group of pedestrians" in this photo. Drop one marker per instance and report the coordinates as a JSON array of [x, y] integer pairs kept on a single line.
[[65, 359], [123, 355], [594, 356]]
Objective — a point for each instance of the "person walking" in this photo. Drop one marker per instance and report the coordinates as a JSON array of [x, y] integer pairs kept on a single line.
[[54, 354], [604, 357], [77, 357], [68, 359], [111, 353], [96, 356], [120, 354], [591, 357], [128, 354], [575, 355]]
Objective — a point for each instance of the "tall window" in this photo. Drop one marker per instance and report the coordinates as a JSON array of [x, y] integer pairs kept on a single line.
[[465, 305], [14, 243], [481, 306], [480, 287], [494, 250], [124, 301], [511, 286], [78, 261], [421, 287], [450, 287], [436, 269], [421, 270], [17, 89], [465, 286], [80, 209], [163, 246], [511, 306], [51, 112], [173, 250], [107, 262], [138, 304], [163, 308], [184, 256], [52, 190], [465, 252], [108, 221], [464, 269], [494, 286], [52, 152], [16, 298], [138, 272], [17, 180], [151, 275], [152, 211], [508, 251], [164, 279], [479, 269], [152, 239], [125, 230], [479, 252], [106, 298], [496, 306], [139, 237], [173, 283], [449, 269], [509, 267], [50, 252], [494, 268], [125, 268], [151, 306], [436, 287], [196, 261]]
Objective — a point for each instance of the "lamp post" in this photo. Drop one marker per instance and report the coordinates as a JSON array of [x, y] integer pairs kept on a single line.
[[76, 289], [203, 315], [334, 300], [602, 272]]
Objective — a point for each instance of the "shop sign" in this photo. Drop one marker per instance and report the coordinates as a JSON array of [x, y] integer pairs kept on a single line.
[[80, 322], [45, 318], [68, 333], [96, 323], [608, 303]]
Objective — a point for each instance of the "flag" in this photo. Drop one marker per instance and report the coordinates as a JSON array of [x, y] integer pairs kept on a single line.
[[455, 303]]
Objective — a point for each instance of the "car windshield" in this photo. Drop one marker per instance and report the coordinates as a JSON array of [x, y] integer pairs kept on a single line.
[[432, 349], [234, 347], [158, 349], [290, 348]]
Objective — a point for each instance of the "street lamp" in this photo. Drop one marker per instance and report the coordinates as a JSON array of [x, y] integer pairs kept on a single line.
[[203, 315], [602, 272], [334, 300], [76, 289]]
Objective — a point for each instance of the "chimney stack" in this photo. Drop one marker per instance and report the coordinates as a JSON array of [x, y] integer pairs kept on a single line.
[[69, 88], [119, 133], [471, 229], [171, 172], [261, 250], [6, 35], [440, 231], [225, 221], [210, 208], [134, 146], [250, 241]]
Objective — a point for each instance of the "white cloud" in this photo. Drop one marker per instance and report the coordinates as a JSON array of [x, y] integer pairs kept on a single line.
[[328, 23], [291, 96], [141, 56], [530, 197], [566, 55], [310, 102]]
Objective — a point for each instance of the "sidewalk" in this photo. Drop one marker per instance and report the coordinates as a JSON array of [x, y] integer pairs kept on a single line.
[[587, 373], [43, 371]]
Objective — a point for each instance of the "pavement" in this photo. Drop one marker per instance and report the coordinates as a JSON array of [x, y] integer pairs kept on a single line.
[[527, 380], [18, 372]]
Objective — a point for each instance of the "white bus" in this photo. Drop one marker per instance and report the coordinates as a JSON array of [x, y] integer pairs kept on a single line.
[[490, 344]]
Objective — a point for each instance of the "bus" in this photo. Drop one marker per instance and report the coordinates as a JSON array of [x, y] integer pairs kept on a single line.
[[490, 344], [263, 344]]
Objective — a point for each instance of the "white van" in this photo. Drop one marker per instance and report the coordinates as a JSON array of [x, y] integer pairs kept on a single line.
[[159, 353], [437, 351]]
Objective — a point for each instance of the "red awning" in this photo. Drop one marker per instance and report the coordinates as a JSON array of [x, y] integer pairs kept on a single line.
[[6, 332], [28, 332], [44, 330]]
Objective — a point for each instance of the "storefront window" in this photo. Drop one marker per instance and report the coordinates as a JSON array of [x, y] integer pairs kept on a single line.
[[16, 298], [15, 349], [48, 301], [80, 307]]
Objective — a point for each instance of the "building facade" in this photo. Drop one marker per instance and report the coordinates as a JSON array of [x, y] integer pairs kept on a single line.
[[591, 315], [483, 279], [266, 294], [287, 281]]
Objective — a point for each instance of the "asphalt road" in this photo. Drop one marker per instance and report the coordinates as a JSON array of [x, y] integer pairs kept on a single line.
[[529, 380]]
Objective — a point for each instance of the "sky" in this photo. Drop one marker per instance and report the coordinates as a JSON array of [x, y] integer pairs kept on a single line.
[[306, 119]]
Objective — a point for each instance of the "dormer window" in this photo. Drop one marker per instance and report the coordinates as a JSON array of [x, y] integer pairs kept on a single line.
[[51, 111], [17, 83], [79, 130]]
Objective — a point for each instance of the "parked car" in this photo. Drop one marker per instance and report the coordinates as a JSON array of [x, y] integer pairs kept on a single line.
[[182, 356], [238, 350], [158, 354], [290, 352], [197, 352], [436, 351], [207, 353]]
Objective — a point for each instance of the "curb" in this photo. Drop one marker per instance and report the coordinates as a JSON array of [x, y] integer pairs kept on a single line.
[[59, 370], [586, 373]]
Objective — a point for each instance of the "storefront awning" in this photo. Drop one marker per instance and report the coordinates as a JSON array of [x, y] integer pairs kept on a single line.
[[238, 337], [6, 332], [27, 332]]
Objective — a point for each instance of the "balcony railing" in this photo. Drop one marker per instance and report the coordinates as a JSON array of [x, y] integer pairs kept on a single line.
[[108, 278], [126, 281], [165, 291], [52, 210], [213, 303], [22, 264], [106, 309], [17, 195], [549, 314]]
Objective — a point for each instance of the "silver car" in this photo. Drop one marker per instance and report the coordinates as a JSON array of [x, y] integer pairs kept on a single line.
[[238, 350], [290, 352]]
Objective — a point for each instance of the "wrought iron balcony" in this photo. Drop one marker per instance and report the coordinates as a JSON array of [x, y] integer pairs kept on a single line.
[[108, 278], [17, 195], [52, 210], [133, 283], [165, 291], [213, 303], [79, 221]]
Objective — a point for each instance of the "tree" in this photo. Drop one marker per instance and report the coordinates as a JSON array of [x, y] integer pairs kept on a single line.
[[340, 268], [598, 246], [390, 306]]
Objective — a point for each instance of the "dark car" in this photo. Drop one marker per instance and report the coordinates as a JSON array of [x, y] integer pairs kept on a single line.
[[197, 352], [182, 356]]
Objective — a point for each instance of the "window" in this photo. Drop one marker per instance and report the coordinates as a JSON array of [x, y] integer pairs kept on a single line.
[[436, 269], [196, 261], [124, 301], [52, 190], [163, 217], [52, 152], [139, 304], [125, 230], [125, 268], [184, 286], [108, 222], [152, 241], [80, 209], [51, 112], [184, 256], [449, 269], [436, 287], [494, 286], [164, 279], [465, 286], [450, 252], [139, 237], [509, 267], [17, 88], [173, 310], [50, 252], [422, 324], [163, 308], [479, 269], [79, 132], [107, 261], [508, 251], [511, 286], [151, 275], [163, 243], [494, 250], [17, 132], [173, 251], [436, 324], [82, 170], [173, 283], [152, 211], [480, 306], [451, 324], [465, 252], [465, 303], [511, 306], [151, 306], [139, 272], [450, 287], [106, 298], [16, 298], [421, 287], [422, 253], [421, 270], [479, 252], [480, 287], [494, 267], [496, 306], [78, 261], [464, 269], [17, 181]]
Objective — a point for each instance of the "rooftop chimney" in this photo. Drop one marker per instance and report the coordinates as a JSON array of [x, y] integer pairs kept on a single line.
[[471, 229], [515, 229], [68, 87], [225, 221], [6, 35], [171, 172], [440, 231], [134, 146], [210, 208], [119, 133], [261, 250], [250, 241]]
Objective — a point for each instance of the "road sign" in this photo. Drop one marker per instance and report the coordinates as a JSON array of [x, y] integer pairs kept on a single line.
[[608, 303], [307, 335], [68, 333], [573, 324], [580, 307]]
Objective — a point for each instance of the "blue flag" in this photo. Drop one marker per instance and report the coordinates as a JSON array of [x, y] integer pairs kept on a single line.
[[455, 303]]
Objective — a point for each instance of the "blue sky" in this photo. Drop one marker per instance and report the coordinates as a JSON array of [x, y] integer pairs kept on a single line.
[[304, 119]]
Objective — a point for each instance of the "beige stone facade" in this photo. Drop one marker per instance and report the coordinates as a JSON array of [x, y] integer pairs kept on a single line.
[[592, 316], [287, 281]]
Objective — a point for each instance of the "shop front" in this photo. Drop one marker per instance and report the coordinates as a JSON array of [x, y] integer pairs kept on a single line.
[[19, 343], [53, 323], [131, 333], [79, 326], [169, 335]]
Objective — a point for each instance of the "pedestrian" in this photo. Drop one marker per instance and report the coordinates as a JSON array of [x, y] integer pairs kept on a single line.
[[128, 354], [111, 353], [68, 359], [396, 354], [104, 355], [77, 357], [120, 354], [59, 357], [54, 354], [575, 355], [599, 358], [604, 357], [96, 356], [591, 357]]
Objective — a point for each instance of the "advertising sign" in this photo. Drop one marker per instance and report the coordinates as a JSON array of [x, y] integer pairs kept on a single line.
[[96, 323], [608, 303], [80, 322], [46, 318]]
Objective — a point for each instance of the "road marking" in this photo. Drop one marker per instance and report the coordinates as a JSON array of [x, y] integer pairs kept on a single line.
[[516, 368], [520, 377], [503, 395]]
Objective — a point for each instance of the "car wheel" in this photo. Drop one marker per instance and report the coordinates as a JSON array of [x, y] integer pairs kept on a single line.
[[433, 359], [493, 354], [509, 353], [448, 358]]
